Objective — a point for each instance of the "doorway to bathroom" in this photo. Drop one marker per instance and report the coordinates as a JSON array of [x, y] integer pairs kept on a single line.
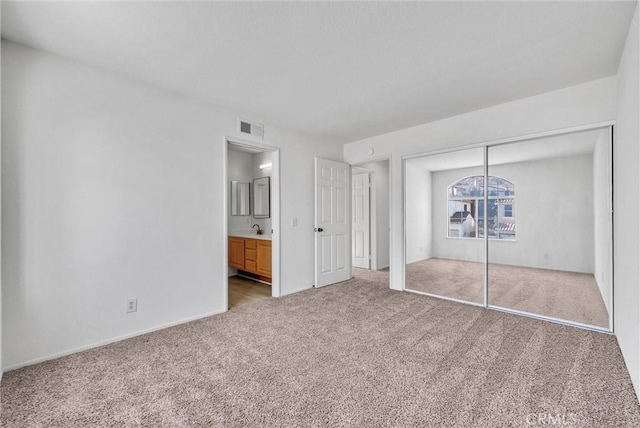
[[252, 200], [370, 220]]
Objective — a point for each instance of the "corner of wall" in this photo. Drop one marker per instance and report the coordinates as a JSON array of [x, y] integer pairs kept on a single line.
[[627, 199], [1, 372]]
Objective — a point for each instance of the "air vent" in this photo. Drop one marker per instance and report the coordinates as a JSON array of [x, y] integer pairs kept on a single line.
[[251, 128]]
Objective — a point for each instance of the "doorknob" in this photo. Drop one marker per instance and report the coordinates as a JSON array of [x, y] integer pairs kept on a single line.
[[318, 229]]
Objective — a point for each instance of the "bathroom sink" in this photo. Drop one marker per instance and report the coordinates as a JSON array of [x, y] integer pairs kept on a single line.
[[252, 235]]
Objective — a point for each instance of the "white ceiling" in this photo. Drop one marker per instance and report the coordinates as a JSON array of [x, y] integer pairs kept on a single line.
[[346, 70], [557, 146]]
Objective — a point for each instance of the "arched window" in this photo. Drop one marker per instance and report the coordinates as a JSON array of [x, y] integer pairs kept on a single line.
[[466, 208]]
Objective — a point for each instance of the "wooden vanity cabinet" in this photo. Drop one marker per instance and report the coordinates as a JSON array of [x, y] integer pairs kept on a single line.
[[236, 253], [263, 266], [251, 256]]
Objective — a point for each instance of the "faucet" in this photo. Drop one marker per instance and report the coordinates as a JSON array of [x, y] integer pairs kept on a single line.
[[259, 230]]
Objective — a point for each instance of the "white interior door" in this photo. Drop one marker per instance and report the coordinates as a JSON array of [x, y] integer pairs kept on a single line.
[[332, 222], [360, 224]]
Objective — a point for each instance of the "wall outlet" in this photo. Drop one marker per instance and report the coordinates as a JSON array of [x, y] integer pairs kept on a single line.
[[294, 221], [132, 305]]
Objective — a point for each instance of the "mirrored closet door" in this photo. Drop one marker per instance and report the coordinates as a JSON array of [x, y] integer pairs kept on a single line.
[[537, 219], [444, 225], [549, 227]]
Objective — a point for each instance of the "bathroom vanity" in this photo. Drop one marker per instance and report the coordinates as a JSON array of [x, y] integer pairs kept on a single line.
[[251, 255]]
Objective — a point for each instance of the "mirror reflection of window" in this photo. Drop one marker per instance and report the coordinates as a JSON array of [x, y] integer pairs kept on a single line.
[[466, 208]]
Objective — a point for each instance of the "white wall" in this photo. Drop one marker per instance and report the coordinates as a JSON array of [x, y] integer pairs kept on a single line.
[[419, 214], [0, 205], [553, 209], [601, 215], [113, 189], [587, 103], [239, 168], [380, 187], [626, 206]]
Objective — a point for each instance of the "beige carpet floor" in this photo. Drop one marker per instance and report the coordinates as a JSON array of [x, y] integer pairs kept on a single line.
[[354, 354], [565, 295]]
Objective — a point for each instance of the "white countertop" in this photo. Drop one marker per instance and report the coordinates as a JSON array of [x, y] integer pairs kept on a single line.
[[251, 235]]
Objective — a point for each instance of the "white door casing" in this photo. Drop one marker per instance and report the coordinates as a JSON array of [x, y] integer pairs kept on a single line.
[[332, 222], [360, 223]]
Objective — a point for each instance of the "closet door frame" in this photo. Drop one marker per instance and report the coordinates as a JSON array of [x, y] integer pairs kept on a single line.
[[486, 146]]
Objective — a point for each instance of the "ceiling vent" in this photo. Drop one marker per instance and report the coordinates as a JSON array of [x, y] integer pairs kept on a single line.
[[251, 128]]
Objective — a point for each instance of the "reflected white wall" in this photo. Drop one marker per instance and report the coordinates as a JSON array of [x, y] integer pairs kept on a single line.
[[553, 212], [602, 215], [418, 198]]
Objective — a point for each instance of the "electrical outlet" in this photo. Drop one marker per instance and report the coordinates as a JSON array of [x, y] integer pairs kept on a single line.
[[132, 305], [294, 221]]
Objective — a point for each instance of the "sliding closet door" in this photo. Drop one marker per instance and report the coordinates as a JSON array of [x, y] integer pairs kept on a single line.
[[548, 221], [444, 225]]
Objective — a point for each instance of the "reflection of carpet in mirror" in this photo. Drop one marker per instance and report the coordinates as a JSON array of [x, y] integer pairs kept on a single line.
[[567, 295]]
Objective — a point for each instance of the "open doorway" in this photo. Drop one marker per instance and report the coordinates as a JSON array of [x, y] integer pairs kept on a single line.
[[252, 197], [370, 222]]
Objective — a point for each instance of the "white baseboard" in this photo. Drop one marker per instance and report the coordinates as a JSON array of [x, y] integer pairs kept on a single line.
[[295, 291], [253, 279], [108, 341]]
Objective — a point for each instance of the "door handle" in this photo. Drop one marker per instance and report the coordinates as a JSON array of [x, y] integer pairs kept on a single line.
[[318, 229]]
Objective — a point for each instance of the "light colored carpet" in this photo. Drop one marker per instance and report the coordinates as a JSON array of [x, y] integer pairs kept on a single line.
[[565, 295], [354, 354]]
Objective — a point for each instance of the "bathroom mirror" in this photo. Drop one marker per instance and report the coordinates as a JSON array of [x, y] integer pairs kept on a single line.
[[240, 198], [261, 197]]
